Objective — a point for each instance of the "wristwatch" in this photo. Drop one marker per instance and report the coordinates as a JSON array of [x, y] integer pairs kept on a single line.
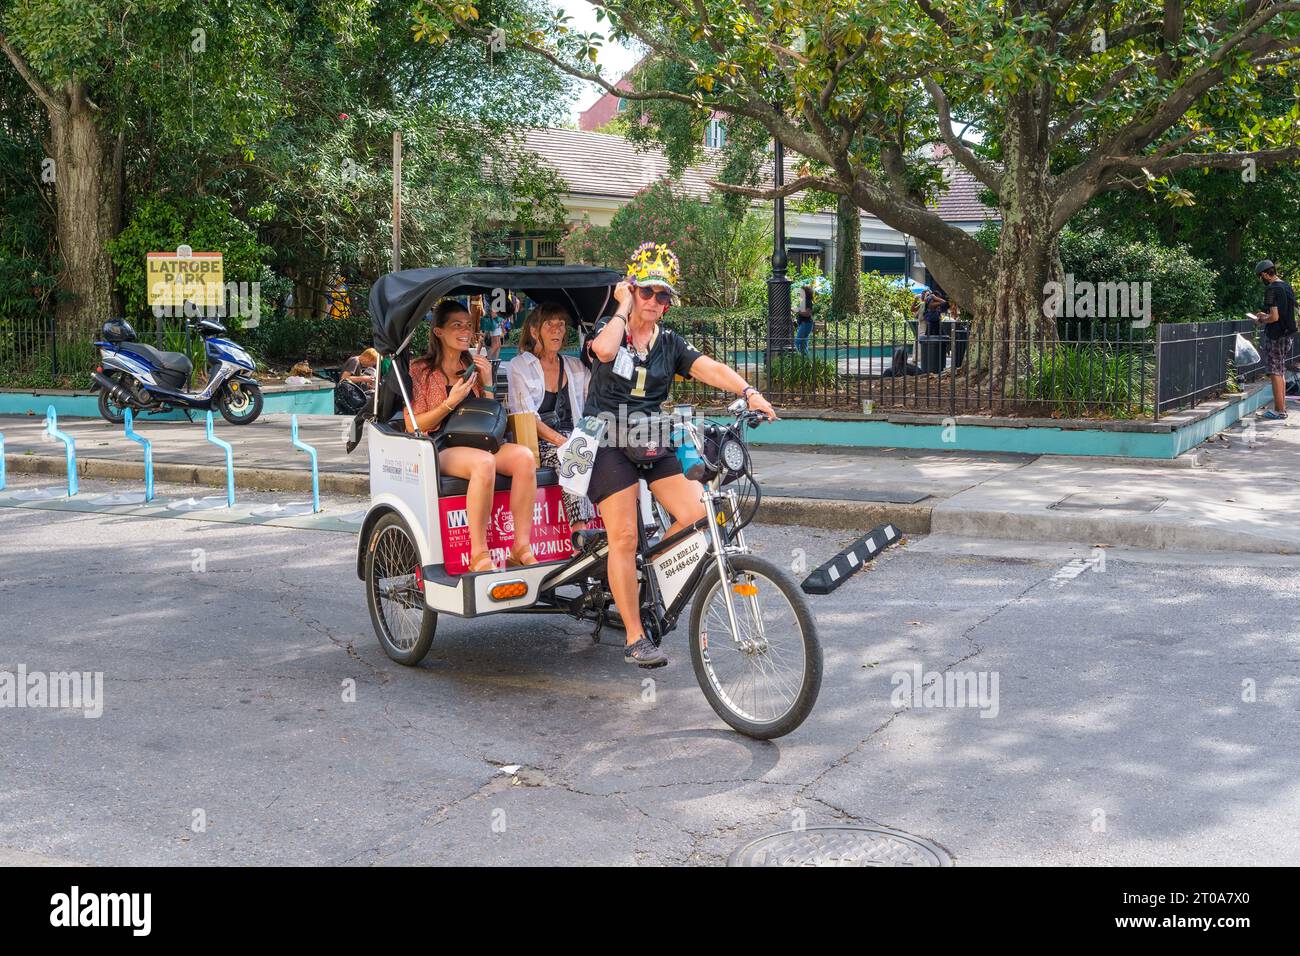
[[746, 390]]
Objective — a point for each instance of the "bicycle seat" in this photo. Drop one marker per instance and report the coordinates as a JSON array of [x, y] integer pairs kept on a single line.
[[172, 361]]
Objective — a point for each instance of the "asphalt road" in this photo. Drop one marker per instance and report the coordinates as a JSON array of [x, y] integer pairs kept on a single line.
[[1119, 732]]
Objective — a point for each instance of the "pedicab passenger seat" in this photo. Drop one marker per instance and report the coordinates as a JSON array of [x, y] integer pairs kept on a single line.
[[449, 487]]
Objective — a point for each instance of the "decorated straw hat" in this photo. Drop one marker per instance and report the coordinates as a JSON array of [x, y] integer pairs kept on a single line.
[[654, 264]]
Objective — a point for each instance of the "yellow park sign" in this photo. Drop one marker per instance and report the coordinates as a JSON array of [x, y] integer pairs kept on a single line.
[[175, 278]]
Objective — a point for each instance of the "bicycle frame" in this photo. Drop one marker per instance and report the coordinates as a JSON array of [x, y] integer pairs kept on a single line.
[[649, 558]]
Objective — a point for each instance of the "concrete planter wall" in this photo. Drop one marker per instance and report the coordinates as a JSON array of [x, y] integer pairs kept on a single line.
[[302, 399], [1168, 438]]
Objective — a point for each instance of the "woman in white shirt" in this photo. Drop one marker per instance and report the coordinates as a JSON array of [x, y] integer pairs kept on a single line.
[[553, 387]]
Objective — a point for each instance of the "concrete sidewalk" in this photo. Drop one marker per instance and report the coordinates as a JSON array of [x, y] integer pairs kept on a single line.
[[1234, 493]]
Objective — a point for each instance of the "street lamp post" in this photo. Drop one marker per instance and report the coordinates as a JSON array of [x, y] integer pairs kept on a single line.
[[778, 285]]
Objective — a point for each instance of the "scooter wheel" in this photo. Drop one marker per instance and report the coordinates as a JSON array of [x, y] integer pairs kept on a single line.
[[109, 410], [242, 407]]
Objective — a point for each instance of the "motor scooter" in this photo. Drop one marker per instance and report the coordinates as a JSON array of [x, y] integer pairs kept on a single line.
[[145, 379]]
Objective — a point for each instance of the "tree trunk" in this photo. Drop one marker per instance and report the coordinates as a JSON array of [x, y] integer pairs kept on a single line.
[[304, 296], [1009, 327], [846, 288], [88, 216]]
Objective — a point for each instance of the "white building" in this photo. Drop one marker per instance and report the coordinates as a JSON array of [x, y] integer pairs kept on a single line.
[[603, 172]]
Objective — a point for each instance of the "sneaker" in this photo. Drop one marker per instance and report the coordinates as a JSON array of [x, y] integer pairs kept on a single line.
[[1274, 416], [644, 654]]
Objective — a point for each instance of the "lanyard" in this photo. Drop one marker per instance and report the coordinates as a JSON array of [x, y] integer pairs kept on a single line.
[[654, 336]]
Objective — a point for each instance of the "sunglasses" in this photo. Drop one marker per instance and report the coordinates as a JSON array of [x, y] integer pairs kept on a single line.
[[663, 298]]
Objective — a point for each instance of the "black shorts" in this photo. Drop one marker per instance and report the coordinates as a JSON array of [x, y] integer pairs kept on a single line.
[[612, 471]]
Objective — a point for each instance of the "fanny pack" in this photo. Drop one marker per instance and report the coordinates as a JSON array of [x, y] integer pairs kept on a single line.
[[643, 450], [475, 423]]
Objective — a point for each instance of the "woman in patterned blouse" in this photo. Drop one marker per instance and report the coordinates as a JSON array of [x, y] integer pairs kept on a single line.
[[434, 398]]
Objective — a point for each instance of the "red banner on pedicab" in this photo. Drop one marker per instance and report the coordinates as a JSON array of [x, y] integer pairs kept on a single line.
[[551, 534]]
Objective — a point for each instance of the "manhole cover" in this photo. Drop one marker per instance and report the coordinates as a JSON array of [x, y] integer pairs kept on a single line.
[[840, 846], [1084, 501]]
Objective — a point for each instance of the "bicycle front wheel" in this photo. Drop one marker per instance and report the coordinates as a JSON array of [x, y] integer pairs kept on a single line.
[[763, 677]]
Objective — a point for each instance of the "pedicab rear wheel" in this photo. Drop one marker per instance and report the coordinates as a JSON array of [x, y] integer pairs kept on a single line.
[[765, 683], [403, 622]]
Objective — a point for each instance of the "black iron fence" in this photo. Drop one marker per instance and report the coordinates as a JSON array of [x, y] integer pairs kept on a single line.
[[29, 350], [1197, 360], [1089, 369]]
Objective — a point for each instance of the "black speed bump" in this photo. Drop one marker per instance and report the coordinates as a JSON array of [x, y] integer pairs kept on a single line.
[[841, 567]]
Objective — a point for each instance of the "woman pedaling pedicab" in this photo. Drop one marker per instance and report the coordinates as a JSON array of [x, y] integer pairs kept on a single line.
[[634, 360], [440, 383], [553, 387]]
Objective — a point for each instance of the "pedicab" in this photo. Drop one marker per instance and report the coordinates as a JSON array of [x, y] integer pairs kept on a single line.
[[752, 637]]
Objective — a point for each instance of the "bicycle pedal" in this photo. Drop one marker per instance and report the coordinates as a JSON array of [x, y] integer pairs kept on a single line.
[[650, 667], [587, 539]]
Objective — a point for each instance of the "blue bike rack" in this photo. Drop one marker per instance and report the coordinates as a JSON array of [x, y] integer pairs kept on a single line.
[[69, 446], [230, 463], [148, 454], [315, 476]]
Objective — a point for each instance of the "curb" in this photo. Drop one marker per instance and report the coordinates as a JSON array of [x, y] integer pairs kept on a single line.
[[833, 515], [1128, 532], [1190, 459], [254, 479], [847, 516]]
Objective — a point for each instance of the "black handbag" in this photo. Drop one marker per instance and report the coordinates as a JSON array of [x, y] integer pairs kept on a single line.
[[474, 423]]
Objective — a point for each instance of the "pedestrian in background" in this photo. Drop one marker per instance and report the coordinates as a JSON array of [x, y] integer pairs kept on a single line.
[[1278, 319], [934, 307], [807, 308]]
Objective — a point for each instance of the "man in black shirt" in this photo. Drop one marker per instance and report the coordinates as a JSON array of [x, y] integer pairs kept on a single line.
[[1278, 319]]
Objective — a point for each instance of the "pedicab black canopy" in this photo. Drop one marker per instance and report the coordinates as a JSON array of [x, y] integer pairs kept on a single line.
[[399, 302]]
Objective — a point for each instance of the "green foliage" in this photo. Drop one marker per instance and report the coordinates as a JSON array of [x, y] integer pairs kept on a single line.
[[1182, 286], [1230, 225], [743, 324], [283, 339], [988, 234], [884, 304], [798, 372], [28, 258], [1089, 379], [271, 123], [721, 254], [1115, 95]]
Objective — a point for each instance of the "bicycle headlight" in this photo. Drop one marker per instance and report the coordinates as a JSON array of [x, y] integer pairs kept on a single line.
[[733, 455]]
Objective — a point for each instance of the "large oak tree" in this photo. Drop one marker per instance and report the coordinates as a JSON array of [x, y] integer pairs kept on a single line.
[[1048, 103]]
